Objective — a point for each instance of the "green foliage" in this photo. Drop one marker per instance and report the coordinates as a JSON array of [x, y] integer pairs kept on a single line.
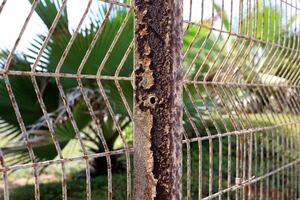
[[76, 189], [267, 24], [198, 42], [25, 94]]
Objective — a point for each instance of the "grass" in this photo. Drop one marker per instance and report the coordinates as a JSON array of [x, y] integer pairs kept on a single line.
[[76, 189], [77, 186]]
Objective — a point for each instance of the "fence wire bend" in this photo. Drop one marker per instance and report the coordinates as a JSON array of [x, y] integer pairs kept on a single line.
[[239, 76]]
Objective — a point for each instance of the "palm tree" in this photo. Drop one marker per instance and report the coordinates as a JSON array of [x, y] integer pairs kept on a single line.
[[32, 114], [82, 99]]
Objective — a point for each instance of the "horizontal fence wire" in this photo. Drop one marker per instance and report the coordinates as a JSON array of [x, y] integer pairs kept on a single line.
[[91, 96], [241, 103], [73, 86]]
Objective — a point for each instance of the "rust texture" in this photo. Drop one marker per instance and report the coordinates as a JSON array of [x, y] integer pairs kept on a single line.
[[158, 104]]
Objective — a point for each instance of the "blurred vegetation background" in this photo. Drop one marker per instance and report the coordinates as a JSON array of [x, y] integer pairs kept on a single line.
[[204, 110]]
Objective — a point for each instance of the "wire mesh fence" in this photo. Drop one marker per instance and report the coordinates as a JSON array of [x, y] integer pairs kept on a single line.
[[66, 100], [240, 97], [56, 98]]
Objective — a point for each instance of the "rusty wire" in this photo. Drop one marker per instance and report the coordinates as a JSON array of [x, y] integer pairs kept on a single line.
[[87, 156], [239, 58], [237, 42]]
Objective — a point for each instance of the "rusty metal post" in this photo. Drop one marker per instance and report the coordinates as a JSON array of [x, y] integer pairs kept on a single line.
[[158, 100]]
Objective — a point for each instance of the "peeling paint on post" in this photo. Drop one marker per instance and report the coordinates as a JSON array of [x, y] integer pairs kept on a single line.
[[158, 100]]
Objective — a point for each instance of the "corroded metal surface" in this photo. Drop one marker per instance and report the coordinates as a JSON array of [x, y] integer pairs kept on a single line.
[[158, 109], [241, 102]]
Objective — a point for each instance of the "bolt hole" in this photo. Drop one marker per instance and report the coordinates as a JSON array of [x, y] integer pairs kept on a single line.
[[152, 100]]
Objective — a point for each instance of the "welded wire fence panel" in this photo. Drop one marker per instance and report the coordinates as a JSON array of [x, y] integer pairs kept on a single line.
[[70, 87], [66, 99], [241, 99]]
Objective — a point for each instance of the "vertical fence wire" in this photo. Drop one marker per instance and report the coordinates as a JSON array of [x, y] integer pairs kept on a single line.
[[84, 94], [238, 57], [240, 98]]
